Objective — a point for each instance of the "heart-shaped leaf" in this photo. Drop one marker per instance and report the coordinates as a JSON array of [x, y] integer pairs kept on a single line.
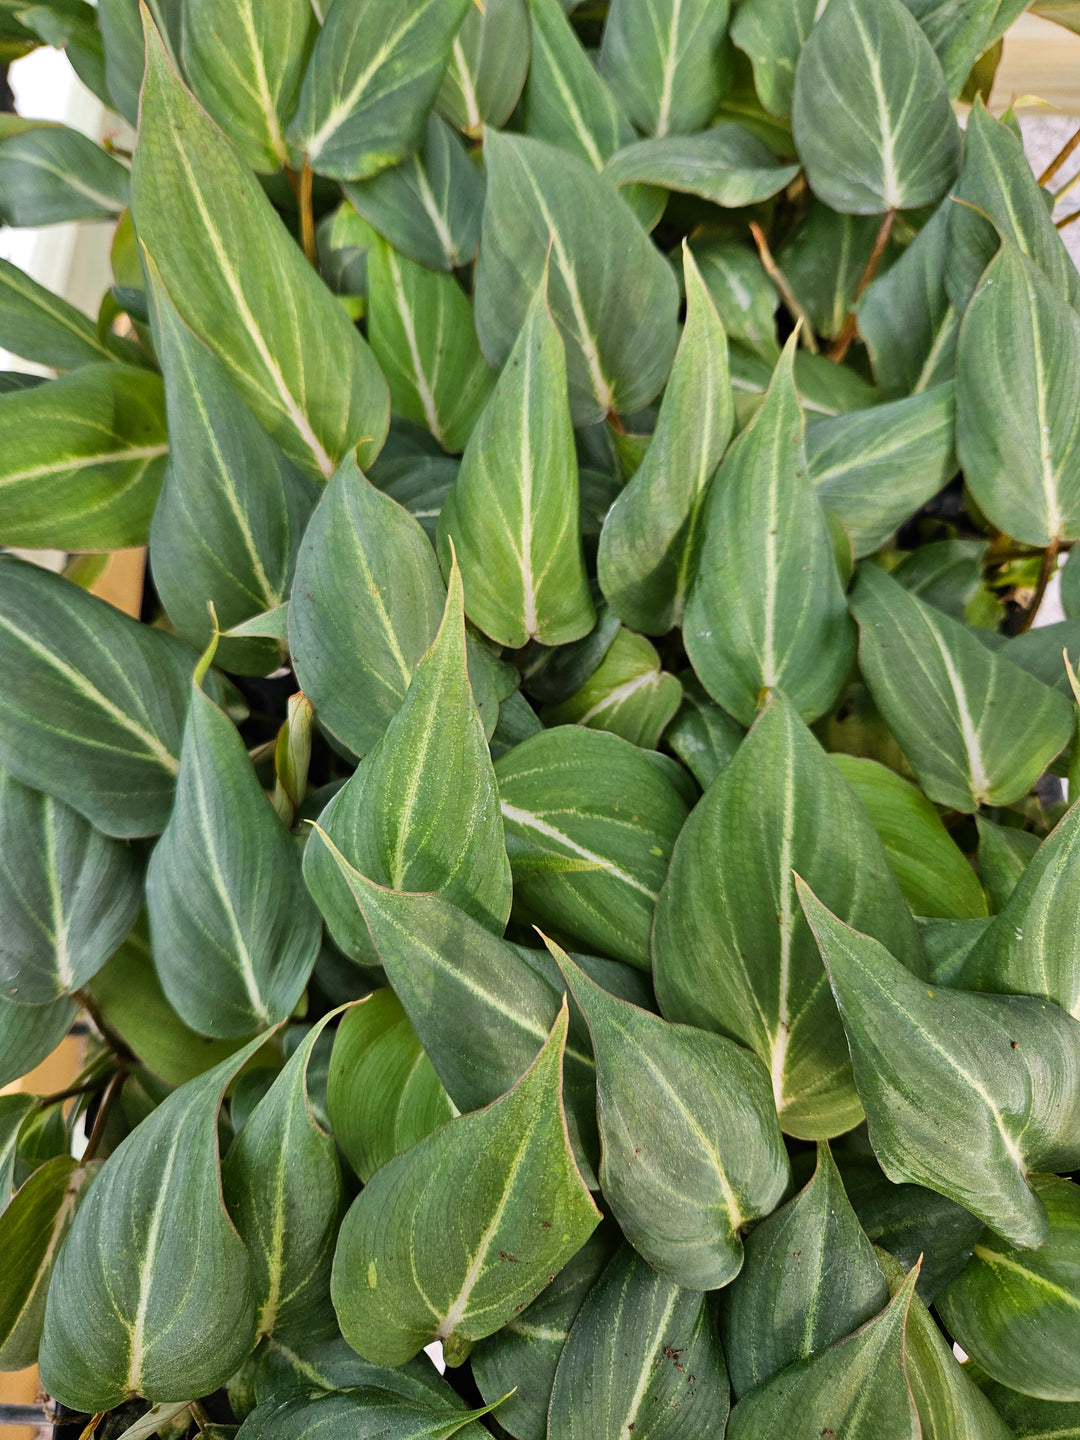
[[512, 1210]]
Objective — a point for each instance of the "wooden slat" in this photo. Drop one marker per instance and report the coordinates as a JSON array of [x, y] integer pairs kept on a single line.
[[1040, 58]]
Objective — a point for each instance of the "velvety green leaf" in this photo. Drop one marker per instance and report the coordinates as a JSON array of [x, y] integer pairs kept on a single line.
[[663, 59], [383, 1093], [229, 520], [824, 259], [517, 722], [93, 702], [429, 206], [68, 896], [32, 1229], [511, 1209], [1004, 855], [810, 1278], [743, 294], [30, 1033], [728, 165], [730, 949], [49, 173], [366, 603], [784, 624], [1031, 947], [906, 317], [683, 1176], [875, 468], [512, 514], [946, 574], [365, 1414], [373, 77], [856, 1388], [398, 821], [772, 33], [542, 201], [152, 1293], [83, 459], [704, 737], [945, 1072], [651, 538], [642, 1359], [627, 693], [307, 1361], [419, 484], [566, 102], [14, 1110], [226, 260], [1017, 1312], [520, 1360], [128, 995], [488, 63], [951, 703], [910, 1222], [871, 115], [576, 795], [950, 1405], [125, 48], [1001, 199], [234, 933], [421, 329], [245, 63], [1017, 429], [1028, 1418], [960, 33], [43, 327], [553, 673], [932, 872], [283, 1190]]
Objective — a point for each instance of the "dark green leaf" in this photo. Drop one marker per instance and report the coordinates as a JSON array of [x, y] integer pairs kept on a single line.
[[728, 165], [704, 737], [663, 59], [488, 63], [824, 259], [49, 173], [1028, 1418], [627, 693], [772, 34], [742, 292], [566, 102], [40, 326], [30, 1033], [363, 1414], [1004, 855]]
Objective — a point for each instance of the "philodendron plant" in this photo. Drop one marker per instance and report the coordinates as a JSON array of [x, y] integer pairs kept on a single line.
[[568, 882]]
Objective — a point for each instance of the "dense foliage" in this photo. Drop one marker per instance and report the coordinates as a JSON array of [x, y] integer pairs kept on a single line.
[[572, 862]]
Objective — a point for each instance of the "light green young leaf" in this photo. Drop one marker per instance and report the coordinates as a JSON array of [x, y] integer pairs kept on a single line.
[[68, 896], [857, 1388], [40, 326], [950, 702], [49, 174], [690, 1148], [998, 198], [30, 1033], [512, 515], [652, 535], [663, 58], [489, 60], [784, 624], [365, 1413], [626, 1368], [810, 1278], [1004, 855], [727, 164], [234, 932], [152, 1293], [546, 210], [731, 951], [587, 798], [450, 1240], [1017, 1312], [229, 520], [906, 318], [366, 604], [943, 1072], [93, 703], [429, 206], [282, 1186], [373, 77], [83, 459], [627, 693], [520, 1360], [704, 737], [226, 260], [383, 1094], [871, 115], [566, 102], [246, 62], [420, 325], [32, 1230], [400, 823], [930, 868], [1031, 947], [1018, 402], [772, 33], [950, 1405]]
